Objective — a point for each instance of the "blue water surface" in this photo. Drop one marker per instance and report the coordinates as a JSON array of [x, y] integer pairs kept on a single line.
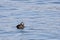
[[41, 19]]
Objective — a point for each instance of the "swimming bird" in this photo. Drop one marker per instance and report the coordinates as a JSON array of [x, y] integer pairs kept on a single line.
[[20, 26]]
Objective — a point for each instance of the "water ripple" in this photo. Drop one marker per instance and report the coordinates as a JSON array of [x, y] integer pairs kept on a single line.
[[19, 0], [1, 16], [55, 2]]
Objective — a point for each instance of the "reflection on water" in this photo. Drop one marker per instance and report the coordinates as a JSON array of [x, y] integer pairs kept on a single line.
[[41, 19]]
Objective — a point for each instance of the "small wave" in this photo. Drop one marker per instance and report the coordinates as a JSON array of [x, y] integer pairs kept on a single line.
[[1, 16], [19, 0], [55, 2]]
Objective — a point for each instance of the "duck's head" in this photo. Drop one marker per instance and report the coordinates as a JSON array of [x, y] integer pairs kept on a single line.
[[22, 23]]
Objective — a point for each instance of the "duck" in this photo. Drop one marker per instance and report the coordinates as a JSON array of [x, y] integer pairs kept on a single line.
[[20, 26]]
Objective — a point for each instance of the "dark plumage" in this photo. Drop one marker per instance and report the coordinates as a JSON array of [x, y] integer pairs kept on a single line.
[[20, 26]]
